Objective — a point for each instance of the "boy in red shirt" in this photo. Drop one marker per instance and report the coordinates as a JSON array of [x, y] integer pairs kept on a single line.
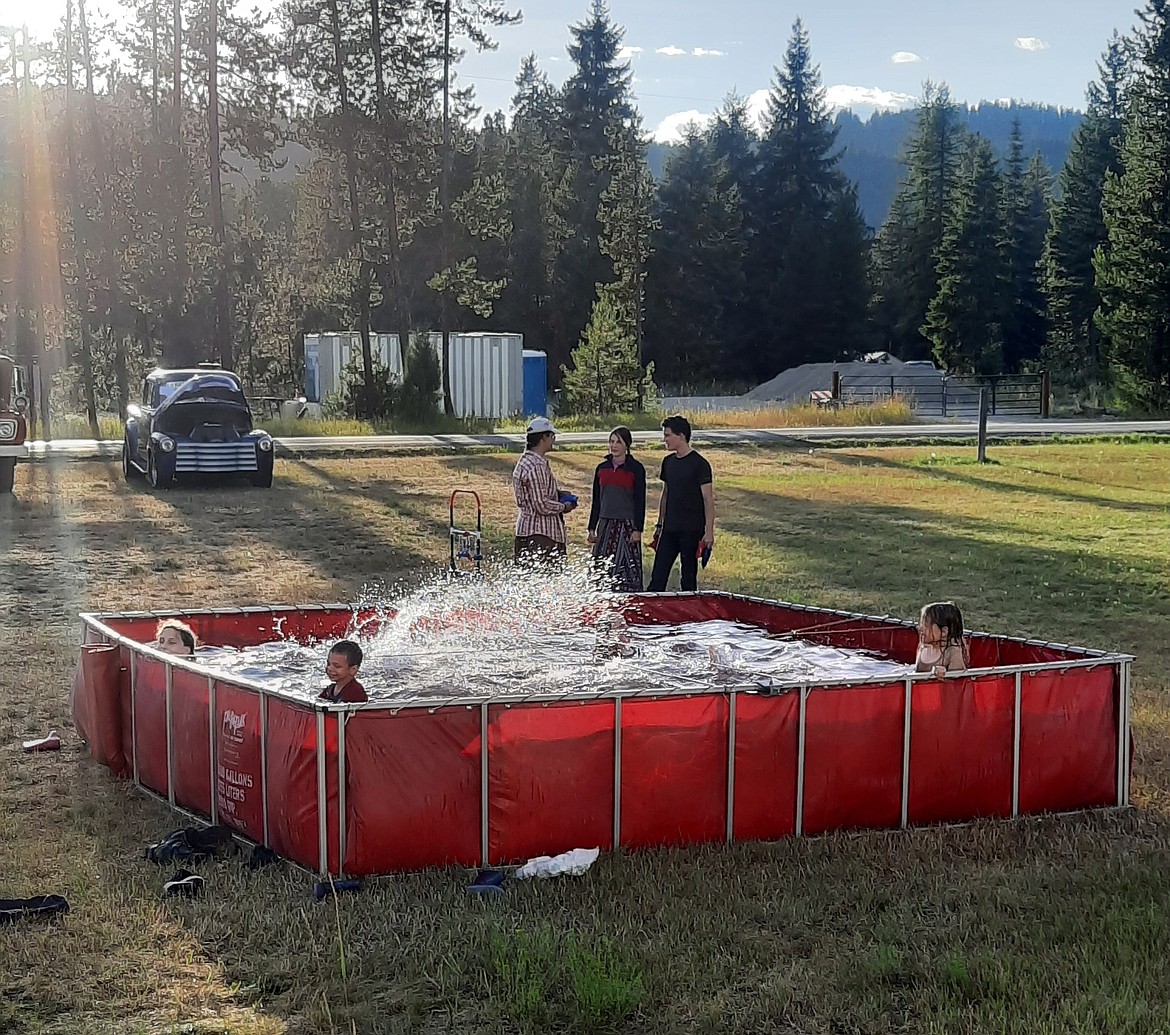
[[345, 658]]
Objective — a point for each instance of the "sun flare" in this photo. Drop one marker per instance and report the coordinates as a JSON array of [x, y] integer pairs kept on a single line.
[[40, 19]]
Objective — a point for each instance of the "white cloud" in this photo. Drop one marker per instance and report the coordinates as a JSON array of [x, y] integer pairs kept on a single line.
[[905, 57], [671, 51], [699, 52], [1031, 43], [757, 105], [628, 52], [867, 99], [669, 130], [861, 100]]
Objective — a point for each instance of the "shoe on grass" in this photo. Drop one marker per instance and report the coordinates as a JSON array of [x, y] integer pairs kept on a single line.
[[50, 743], [262, 856], [191, 844], [184, 884]]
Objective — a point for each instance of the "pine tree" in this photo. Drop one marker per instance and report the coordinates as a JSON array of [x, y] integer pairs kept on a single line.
[[732, 140], [328, 37], [83, 293], [964, 321], [1076, 350], [606, 377], [624, 213], [596, 103], [538, 198], [808, 258], [904, 274], [695, 285], [1024, 219], [1133, 266]]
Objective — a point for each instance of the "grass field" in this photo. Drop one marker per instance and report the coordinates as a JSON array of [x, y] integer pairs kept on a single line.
[[1048, 925]]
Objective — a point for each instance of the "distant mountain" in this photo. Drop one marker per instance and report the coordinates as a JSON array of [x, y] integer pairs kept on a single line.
[[872, 147]]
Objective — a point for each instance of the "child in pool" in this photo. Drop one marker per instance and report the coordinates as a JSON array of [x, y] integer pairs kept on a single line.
[[341, 667], [175, 637], [941, 646]]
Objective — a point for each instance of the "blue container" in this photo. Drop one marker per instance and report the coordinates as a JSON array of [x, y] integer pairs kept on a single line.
[[535, 383]]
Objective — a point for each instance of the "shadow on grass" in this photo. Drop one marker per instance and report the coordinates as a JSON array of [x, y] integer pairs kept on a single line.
[[899, 556], [953, 474], [418, 508], [1039, 925], [329, 532], [493, 466]]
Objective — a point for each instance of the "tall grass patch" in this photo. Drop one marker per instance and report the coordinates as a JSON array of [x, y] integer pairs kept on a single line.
[[541, 978]]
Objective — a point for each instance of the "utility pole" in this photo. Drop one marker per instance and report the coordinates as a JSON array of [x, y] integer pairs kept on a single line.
[[982, 447]]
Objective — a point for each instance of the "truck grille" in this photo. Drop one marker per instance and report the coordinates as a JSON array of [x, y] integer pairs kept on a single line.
[[215, 456]]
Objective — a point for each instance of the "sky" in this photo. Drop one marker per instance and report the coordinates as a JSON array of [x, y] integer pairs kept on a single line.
[[687, 55]]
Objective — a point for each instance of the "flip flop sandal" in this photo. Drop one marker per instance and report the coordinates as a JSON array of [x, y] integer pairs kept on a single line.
[[39, 907], [487, 882]]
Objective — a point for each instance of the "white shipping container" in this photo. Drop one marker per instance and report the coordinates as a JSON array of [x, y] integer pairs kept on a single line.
[[487, 372], [487, 368], [328, 354]]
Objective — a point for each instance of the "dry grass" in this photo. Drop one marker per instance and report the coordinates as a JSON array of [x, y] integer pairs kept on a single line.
[[809, 415], [802, 415], [806, 415], [1039, 926], [76, 425]]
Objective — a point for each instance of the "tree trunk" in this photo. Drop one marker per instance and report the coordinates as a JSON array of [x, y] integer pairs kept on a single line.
[[368, 409], [84, 302], [153, 67], [178, 170], [399, 306], [223, 308], [102, 184], [355, 223], [445, 203], [22, 332]]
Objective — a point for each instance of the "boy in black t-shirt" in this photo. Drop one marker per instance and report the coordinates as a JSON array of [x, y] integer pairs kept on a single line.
[[686, 513]]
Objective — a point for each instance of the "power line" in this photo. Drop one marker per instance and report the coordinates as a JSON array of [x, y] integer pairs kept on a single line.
[[640, 93]]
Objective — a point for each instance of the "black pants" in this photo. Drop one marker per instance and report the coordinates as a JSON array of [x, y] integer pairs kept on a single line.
[[538, 550], [672, 545]]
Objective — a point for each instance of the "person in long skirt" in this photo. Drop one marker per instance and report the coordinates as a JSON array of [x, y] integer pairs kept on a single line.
[[618, 513]]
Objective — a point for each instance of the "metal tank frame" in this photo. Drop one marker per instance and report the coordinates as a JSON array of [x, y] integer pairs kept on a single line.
[[329, 855]]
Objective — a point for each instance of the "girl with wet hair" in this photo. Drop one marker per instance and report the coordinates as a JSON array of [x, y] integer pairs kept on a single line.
[[175, 637], [942, 647]]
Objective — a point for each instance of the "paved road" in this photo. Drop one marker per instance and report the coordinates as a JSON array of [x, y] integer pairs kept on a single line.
[[89, 449]]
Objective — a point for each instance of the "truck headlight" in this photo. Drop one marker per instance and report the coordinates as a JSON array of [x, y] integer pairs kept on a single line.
[[167, 445], [265, 444]]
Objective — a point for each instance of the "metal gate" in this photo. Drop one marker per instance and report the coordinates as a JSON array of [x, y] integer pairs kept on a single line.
[[933, 394]]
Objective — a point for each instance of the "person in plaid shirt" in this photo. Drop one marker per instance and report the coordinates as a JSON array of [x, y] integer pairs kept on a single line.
[[540, 523]]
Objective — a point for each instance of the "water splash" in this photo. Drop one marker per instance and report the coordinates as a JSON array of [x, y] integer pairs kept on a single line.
[[525, 631]]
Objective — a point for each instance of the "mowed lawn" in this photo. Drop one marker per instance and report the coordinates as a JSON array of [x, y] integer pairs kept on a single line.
[[1036, 926]]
